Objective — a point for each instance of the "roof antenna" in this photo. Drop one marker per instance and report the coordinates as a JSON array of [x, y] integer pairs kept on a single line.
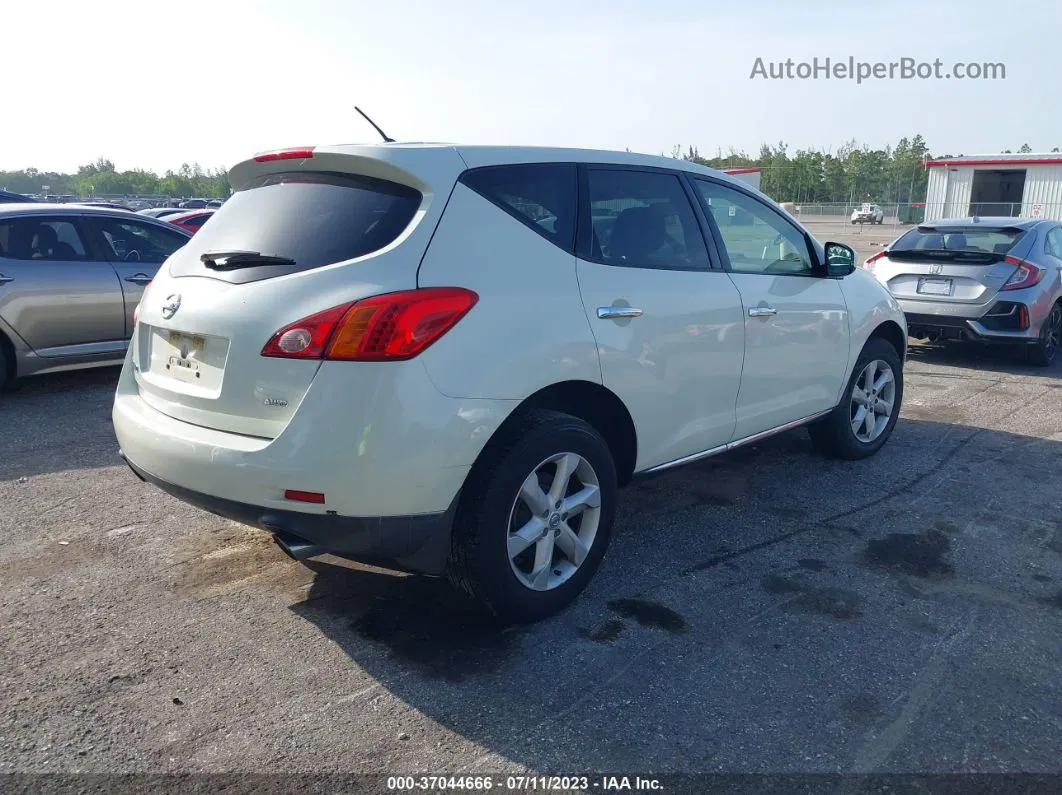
[[370, 121]]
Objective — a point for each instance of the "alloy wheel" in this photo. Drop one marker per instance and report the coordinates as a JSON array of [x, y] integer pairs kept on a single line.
[[553, 521], [1051, 333], [873, 397]]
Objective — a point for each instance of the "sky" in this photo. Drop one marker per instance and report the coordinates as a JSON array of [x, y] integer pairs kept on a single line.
[[151, 84]]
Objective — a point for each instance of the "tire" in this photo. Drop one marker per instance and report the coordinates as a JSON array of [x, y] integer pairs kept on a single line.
[[492, 505], [834, 435], [1044, 352], [7, 367]]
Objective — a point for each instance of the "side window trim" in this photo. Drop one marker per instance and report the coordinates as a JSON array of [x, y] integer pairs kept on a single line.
[[523, 219], [816, 273], [584, 222], [718, 260]]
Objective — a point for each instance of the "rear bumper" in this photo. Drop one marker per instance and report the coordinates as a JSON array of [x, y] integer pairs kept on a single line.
[[1000, 322], [419, 544]]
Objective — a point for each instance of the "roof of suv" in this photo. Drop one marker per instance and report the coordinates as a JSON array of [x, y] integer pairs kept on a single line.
[[416, 155]]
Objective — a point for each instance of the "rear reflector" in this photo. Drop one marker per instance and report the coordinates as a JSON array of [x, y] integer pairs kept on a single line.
[[1026, 275], [304, 496], [390, 327], [301, 153]]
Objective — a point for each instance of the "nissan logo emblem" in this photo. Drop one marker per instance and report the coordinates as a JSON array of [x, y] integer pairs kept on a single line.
[[171, 305]]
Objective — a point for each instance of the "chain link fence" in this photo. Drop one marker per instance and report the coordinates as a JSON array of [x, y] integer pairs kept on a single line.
[[895, 217]]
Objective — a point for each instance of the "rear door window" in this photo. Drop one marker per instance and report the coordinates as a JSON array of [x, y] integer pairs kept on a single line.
[[643, 219], [540, 195], [312, 218]]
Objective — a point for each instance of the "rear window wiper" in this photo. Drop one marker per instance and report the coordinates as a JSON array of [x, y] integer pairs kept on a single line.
[[231, 260]]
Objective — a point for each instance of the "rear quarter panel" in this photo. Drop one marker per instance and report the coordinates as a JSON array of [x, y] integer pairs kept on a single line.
[[528, 329]]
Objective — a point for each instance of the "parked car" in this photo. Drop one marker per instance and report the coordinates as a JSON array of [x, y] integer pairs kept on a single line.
[[193, 204], [161, 212], [7, 197], [992, 280], [459, 386], [70, 279], [190, 221], [868, 214]]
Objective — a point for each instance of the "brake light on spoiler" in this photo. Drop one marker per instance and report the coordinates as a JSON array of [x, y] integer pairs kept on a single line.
[[390, 327], [1027, 274], [298, 153]]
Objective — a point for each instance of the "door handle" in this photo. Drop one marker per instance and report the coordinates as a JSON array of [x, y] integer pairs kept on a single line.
[[6, 279], [762, 311], [617, 312], [139, 278]]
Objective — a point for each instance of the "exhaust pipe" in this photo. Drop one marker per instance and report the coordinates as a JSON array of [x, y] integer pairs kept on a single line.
[[295, 547]]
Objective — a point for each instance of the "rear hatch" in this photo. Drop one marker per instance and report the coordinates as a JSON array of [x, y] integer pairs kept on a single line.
[[302, 233], [950, 264]]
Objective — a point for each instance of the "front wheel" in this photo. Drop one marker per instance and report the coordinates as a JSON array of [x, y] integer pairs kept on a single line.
[[535, 517], [863, 421], [1046, 348]]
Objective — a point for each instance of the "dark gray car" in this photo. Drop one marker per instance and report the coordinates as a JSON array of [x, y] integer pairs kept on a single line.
[[980, 279], [70, 280]]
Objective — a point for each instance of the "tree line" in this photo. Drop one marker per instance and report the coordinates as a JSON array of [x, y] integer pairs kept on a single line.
[[102, 179], [851, 175]]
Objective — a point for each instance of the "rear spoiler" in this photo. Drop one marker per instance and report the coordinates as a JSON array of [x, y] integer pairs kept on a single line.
[[949, 230]]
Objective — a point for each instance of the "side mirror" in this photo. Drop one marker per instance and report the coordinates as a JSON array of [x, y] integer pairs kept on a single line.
[[840, 260]]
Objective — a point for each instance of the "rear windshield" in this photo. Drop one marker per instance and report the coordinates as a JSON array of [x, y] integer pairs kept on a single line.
[[977, 240], [312, 218]]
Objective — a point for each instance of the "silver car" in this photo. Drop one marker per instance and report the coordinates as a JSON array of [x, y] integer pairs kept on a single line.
[[70, 280], [979, 279]]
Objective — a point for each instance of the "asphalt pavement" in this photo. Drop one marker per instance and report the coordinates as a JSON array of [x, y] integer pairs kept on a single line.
[[768, 610]]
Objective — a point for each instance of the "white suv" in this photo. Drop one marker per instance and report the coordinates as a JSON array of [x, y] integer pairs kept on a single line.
[[868, 214], [446, 359]]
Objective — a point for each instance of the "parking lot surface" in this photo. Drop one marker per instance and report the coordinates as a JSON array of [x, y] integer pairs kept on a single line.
[[767, 610]]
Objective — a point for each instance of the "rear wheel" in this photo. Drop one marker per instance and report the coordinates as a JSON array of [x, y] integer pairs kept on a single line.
[[1045, 350], [535, 517], [863, 421]]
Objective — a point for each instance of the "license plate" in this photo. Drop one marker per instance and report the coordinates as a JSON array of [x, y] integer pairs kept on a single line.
[[934, 286], [186, 342]]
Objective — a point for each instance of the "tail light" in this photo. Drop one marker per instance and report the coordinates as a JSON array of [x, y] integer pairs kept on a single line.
[[869, 264], [1026, 275], [390, 327]]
